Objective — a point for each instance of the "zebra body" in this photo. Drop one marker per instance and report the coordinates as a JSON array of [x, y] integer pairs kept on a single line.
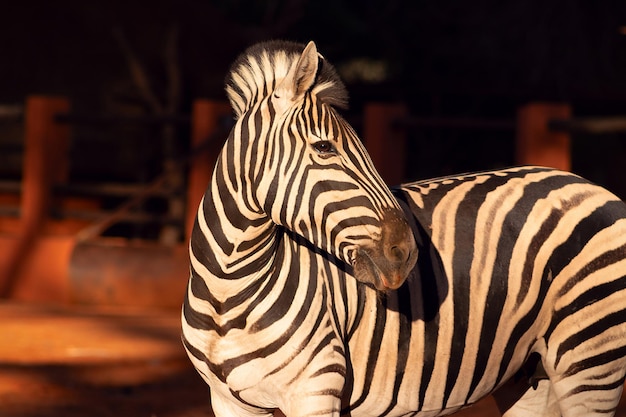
[[521, 261], [301, 304]]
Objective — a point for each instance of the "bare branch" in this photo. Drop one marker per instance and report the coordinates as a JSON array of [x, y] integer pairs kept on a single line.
[[138, 73], [172, 67]]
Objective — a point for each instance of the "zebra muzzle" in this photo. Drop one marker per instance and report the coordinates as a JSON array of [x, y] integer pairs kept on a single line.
[[388, 261]]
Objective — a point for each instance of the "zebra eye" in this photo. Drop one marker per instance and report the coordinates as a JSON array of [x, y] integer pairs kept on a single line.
[[324, 147]]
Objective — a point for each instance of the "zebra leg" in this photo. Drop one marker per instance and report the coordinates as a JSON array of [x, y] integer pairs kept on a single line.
[[524, 397], [586, 363], [589, 382], [303, 405], [228, 406], [590, 392], [528, 393]]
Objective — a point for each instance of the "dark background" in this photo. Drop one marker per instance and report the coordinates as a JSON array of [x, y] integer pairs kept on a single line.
[[471, 59]]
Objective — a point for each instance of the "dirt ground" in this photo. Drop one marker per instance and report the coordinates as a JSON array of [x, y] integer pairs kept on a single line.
[[54, 392], [75, 362], [71, 362]]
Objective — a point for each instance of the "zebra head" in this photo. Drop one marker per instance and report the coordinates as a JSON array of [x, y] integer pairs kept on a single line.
[[303, 166]]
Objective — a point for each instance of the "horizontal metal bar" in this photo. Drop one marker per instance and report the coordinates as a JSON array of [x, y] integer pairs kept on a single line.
[[9, 112], [595, 125], [107, 190], [96, 215], [9, 211], [96, 119], [127, 217], [90, 190], [456, 123], [13, 187]]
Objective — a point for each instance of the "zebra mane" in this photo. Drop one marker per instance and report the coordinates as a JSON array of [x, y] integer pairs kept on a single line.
[[254, 75]]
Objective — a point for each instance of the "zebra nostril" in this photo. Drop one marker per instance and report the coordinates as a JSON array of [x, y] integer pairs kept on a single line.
[[397, 254]]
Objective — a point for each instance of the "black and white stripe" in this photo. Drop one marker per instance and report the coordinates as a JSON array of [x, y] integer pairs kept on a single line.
[[297, 236], [529, 260]]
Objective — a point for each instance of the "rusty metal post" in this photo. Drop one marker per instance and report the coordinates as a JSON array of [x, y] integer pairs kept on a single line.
[[45, 163], [536, 143], [385, 141], [205, 123]]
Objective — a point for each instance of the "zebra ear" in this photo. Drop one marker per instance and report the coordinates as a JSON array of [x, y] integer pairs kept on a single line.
[[301, 76], [305, 71]]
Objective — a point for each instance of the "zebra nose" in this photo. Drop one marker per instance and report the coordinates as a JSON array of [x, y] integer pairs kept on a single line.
[[398, 247]]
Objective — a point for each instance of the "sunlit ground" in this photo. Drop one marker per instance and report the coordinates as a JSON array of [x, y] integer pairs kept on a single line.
[[105, 362]]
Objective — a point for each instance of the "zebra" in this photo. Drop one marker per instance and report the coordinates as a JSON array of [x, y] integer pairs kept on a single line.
[[317, 290]]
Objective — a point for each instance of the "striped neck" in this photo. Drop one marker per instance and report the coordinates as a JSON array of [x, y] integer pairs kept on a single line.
[[231, 239]]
